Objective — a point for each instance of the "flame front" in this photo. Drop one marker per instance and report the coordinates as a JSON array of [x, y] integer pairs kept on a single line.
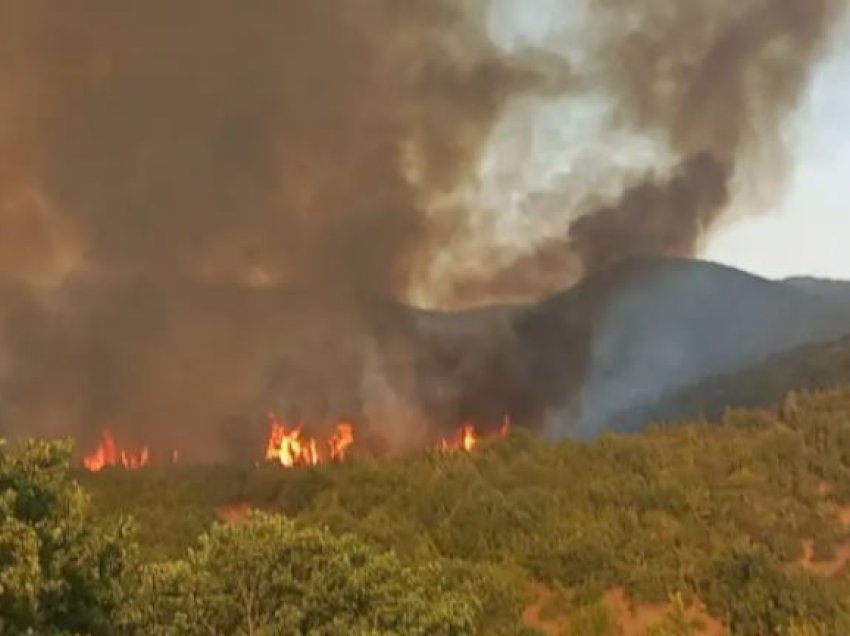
[[466, 439], [288, 448], [104, 455], [285, 446], [107, 455], [342, 439], [469, 440]]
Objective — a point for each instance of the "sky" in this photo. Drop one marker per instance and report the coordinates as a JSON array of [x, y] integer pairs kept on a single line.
[[801, 229], [808, 232]]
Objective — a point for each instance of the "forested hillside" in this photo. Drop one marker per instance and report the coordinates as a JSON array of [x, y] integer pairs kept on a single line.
[[679, 530], [822, 364]]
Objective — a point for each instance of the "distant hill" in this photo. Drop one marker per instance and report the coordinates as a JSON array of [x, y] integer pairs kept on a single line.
[[813, 366], [623, 338], [657, 325], [834, 290]]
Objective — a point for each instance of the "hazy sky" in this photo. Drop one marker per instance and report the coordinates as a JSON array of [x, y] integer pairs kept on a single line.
[[803, 230], [809, 231]]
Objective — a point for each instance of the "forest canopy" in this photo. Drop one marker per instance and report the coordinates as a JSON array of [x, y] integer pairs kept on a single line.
[[747, 518]]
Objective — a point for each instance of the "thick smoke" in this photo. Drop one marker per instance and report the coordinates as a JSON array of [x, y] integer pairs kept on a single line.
[[661, 218], [711, 84], [208, 209], [208, 206], [715, 81]]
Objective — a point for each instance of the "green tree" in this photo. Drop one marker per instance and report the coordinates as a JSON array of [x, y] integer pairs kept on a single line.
[[269, 577], [60, 573], [756, 595]]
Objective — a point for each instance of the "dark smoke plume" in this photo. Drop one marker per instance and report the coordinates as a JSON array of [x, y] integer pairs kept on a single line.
[[711, 82], [208, 209], [660, 218], [715, 80], [207, 206]]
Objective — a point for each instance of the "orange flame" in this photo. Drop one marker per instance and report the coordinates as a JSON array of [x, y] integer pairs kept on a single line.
[[342, 439], [107, 455], [275, 438], [104, 455], [290, 449], [466, 439]]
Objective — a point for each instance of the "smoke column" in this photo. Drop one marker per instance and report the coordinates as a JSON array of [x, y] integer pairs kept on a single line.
[[706, 86], [209, 209], [208, 206]]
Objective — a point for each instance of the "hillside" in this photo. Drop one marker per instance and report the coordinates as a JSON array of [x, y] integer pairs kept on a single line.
[[811, 366], [680, 322], [837, 291], [618, 340], [745, 525]]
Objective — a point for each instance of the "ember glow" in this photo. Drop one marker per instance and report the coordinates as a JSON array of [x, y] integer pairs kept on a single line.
[[109, 455]]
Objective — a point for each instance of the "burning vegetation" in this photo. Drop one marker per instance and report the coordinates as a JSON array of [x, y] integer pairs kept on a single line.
[[466, 439], [286, 445], [292, 449], [109, 455]]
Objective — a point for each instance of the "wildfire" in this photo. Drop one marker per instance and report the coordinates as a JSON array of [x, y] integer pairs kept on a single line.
[[107, 454], [341, 440], [290, 449], [466, 439], [287, 446]]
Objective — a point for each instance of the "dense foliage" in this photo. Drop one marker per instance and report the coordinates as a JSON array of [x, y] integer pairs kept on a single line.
[[64, 572], [269, 577], [60, 573], [818, 364], [461, 543]]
